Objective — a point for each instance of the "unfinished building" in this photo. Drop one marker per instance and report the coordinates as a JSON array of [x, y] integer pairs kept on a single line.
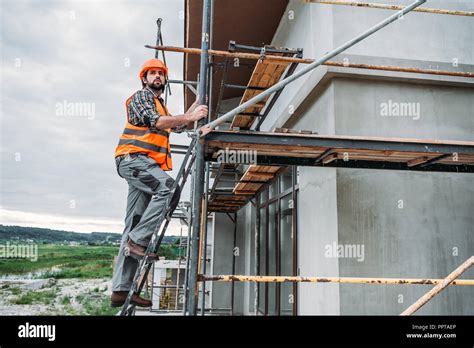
[[351, 177]]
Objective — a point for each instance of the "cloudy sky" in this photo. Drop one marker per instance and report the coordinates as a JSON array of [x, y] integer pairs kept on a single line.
[[67, 68]]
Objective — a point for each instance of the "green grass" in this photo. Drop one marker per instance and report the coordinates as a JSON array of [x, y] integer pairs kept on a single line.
[[65, 300], [33, 297], [74, 261], [15, 291], [94, 303]]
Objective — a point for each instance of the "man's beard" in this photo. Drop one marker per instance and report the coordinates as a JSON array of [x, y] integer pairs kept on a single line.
[[157, 86]]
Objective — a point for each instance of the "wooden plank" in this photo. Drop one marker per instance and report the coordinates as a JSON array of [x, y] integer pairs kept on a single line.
[[257, 175], [287, 149], [358, 137], [304, 131], [417, 161], [370, 155], [317, 150], [230, 201], [265, 173], [226, 197], [245, 193], [260, 169], [246, 187], [265, 74], [331, 157]]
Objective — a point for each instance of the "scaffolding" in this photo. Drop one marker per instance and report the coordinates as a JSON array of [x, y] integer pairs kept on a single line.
[[283, 150]]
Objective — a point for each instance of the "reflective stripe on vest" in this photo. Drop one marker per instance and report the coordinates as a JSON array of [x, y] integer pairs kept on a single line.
[[155, 143], [143, 132], [143, 144]]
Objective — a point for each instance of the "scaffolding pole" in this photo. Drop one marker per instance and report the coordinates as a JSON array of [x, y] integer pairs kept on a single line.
[[234, 246], [342, 280], [392, 7], [450, 279], [257, 251], [207, 176], [199, 165], [294, 233], [241, 108], [283, 59], [159, 41]]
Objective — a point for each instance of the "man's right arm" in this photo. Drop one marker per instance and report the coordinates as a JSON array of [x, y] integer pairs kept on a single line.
[[142, 112]]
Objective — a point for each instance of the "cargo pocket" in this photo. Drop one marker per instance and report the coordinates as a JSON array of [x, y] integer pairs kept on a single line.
[[146, 178]]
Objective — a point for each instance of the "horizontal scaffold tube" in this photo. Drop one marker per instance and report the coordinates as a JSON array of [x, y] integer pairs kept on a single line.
[[392, 7], [450, 279], [271, 58], [348, 280]]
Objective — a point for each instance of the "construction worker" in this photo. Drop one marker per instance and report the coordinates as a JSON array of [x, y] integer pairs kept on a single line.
[[142, 157]]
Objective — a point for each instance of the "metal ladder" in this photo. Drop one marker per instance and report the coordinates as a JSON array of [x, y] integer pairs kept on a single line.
[[145, 264]]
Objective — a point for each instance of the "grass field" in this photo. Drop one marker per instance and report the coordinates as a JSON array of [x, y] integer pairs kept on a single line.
[[82, 261], [71, 292], [73, 261]]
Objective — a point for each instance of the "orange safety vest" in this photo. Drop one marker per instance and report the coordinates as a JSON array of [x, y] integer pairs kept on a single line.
[[155, 143]]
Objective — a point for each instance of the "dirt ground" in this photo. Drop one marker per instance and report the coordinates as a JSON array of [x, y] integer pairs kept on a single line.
[[55, 297]]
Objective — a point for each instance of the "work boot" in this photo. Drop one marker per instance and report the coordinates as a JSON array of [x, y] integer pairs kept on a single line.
[[118, 299], [137, 251]]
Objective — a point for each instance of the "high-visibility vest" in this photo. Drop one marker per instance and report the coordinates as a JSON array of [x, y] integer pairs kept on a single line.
[[154, 143]]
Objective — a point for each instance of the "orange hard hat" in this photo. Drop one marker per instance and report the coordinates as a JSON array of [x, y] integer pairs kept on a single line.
[[153, 64]]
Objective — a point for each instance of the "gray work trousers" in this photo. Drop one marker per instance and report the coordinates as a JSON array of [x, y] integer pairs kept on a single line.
[[148, 190]]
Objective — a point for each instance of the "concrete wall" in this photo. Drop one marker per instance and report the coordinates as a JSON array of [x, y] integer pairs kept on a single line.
[[209, 257], [418, 40], [317, 226], [427, 236], [223, 251], [240, 253], [410, 224], [222, 260]]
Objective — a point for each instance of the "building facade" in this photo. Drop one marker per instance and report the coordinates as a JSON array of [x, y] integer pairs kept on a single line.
[[331, 222]]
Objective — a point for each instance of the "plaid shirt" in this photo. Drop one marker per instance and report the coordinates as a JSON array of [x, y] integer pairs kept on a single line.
[[142, 110]]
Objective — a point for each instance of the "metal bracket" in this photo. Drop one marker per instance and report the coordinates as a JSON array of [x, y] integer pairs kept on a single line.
[[159, 40]]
